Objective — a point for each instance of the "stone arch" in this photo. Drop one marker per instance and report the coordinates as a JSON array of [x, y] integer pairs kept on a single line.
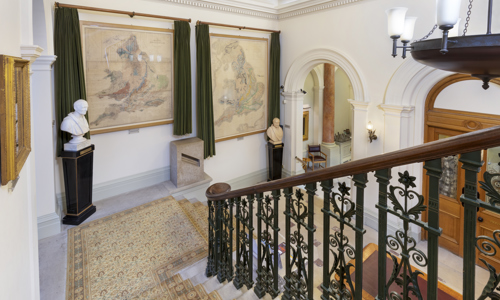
[[303, 65], [408, 88]]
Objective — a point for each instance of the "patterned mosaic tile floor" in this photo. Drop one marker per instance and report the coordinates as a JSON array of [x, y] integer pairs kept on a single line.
[[133, 254]]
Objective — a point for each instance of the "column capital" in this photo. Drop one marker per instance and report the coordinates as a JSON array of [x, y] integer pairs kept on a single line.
[[43, 63], [359, 105], [318, 88], [31, 52], [396, 110], [293, 96]]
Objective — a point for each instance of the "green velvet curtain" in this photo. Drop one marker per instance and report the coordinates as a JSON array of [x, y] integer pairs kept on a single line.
[[204, 101], [274, 78], [68, 68], [182, 78]]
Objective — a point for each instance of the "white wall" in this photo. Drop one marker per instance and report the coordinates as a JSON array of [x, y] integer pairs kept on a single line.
[[18, 235], [470, 96], [120, 154]]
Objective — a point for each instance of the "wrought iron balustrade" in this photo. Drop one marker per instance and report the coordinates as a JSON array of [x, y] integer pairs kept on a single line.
[[233, 216]]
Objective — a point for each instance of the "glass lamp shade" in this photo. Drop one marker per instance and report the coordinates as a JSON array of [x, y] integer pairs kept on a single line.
[[448, 12], [454, 31], [396, 20], [369, 126], [408, 29]]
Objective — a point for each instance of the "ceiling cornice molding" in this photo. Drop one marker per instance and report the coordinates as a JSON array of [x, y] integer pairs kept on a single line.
[[265, 12], [256, 12], [302, 9]]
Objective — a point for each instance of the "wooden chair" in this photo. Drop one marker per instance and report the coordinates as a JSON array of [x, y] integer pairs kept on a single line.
[[317, 157]]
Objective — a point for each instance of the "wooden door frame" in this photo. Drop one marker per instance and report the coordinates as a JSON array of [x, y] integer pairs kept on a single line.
[[451, 119]]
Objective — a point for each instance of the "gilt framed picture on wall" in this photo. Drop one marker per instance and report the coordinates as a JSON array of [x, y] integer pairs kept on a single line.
[[15, 120], [128, 75], [239, 85]]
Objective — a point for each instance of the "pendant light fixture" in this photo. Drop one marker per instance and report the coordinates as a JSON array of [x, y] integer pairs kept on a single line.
[[478, 55]]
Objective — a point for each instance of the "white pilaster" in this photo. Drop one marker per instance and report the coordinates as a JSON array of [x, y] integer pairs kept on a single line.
[[294, 102], [31, 53], [359, 140], [397, 120], [43, 119], [318, 114]]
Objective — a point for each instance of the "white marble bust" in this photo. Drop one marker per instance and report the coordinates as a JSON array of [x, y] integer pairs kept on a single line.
[[76, 124], [275, 133]]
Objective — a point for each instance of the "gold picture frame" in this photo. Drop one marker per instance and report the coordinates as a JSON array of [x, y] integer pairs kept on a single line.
[[305, 125], [114, 56], [15, 122]]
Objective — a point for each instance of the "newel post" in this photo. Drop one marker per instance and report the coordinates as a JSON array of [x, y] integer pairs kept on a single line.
[[215, 227]]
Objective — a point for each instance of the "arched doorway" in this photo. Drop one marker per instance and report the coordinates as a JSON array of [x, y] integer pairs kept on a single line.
[[454, 106], [294, 100]]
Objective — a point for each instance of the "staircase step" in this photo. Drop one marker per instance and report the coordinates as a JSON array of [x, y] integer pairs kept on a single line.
[[201, 225], [199, 278], [212, 284], [194, 269], [229, 292]]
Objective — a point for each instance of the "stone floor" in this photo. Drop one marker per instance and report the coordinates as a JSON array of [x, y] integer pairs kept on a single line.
[[52, 250]]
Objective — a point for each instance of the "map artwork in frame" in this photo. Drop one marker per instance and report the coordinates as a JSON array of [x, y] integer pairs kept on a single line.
[[239, 85], [129, 76]]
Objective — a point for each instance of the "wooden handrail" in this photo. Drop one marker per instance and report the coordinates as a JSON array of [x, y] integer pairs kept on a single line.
[[469, 142]]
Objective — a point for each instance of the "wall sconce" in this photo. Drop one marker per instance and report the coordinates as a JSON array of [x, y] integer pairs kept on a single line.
[[371, 132]]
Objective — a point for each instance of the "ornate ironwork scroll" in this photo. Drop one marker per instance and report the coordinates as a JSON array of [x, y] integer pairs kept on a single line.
[[226, 245], [267, 272], [298, 286], [244, 242], [488, 245], [402, 273], [339, 279], [212, 240]]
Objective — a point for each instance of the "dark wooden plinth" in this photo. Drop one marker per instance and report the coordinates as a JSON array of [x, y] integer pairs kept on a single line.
[[275, 155], [78, 176], [77, 220]]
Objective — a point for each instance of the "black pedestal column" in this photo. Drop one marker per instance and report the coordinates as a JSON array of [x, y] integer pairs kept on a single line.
[[275, 155], [78, 173]]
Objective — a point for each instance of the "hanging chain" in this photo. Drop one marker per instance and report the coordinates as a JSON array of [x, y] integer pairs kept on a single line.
[[468, 17], [428, 35]]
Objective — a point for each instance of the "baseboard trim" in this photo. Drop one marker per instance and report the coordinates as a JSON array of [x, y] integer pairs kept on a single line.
[[371, 220], [48, 225], [248, 180], [124, 185]]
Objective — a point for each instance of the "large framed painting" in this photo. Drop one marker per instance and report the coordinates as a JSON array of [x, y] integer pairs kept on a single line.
[[239, 85], [15, 120], [129, 76]]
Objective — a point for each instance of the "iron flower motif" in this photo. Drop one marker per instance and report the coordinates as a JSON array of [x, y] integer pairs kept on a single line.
[[406, 179], [344, 190]]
